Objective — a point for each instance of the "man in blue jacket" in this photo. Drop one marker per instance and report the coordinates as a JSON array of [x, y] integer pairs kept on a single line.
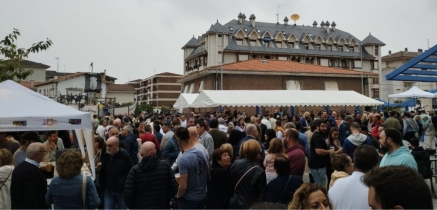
[[251, 133], [355, 140], [343, 131]]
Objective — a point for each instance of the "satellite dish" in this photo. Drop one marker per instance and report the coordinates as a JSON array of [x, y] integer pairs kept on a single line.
[[294, 17]]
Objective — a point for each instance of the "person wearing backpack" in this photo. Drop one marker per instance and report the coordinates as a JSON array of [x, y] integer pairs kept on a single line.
[[355, 140]]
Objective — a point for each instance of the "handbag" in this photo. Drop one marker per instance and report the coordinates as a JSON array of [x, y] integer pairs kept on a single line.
[[84, 190]]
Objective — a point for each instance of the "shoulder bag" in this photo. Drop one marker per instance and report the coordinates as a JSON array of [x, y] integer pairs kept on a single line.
[[244, 176], [6, 180]]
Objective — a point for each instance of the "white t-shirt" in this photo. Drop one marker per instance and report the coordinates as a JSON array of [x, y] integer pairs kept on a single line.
[[349, 193]]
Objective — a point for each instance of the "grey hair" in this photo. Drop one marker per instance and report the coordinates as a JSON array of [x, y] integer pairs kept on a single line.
[[221, 121], [348, 117], [129, 129], [32, 149], [250, 128], [289, 125]]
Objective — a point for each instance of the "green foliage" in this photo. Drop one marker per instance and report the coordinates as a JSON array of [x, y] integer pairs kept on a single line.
[[11, 57], [127, 104], [143, 107]]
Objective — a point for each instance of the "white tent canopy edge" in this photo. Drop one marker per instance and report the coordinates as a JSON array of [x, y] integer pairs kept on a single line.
[[251, 98], [22, 109], [413, 92], [185, 100]]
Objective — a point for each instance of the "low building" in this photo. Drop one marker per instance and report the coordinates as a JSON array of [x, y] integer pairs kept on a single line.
[[77, 87], [159, 90], [39, 71], [121, 93]]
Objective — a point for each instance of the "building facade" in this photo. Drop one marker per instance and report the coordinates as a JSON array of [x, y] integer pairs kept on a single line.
[[159, 90], [233, 45], [39, 71], [121, 93]]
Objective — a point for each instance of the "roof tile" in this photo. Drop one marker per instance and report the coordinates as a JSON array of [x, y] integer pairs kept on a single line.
[[287, 66]]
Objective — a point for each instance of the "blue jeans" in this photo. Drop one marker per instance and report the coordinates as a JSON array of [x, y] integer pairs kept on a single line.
[[319, 175], [113, 198], [187, 204]]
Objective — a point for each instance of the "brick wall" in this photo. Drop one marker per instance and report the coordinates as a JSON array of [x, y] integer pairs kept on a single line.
[[169, 87], [167, 80]]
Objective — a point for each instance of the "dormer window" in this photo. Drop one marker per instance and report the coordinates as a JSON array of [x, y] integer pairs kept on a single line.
[[257, 30], [239, 42], [231, 29], [252, 42], [328, 47], [306, 46], [352, 48], [279, 44], [291, 45], [245, 30], [340, 48], [317, 47], [266, 39]]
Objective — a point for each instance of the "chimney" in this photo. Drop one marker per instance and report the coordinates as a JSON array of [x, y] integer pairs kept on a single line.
[[240, 18], [420, 51], [314, 24], [322, 24], [327, 26], [244, 17], [389, 52], [333, 25], [286, 20], [406, 49], [32, 83], [252, 20]]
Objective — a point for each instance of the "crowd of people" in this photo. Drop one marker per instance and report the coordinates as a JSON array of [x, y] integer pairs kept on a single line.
[[226, 160]]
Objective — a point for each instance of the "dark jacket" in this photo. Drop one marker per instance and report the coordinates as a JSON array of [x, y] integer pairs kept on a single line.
[[150, 185], [343, 132], [220, 188], [115, 170], [276, 192], [171, 150], [28, 187], [251, 188], [132, 147]]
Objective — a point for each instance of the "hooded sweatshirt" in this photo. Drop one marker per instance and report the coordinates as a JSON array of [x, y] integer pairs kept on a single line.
[[5, 196], [401, 156], [354, 141], [337, 175]]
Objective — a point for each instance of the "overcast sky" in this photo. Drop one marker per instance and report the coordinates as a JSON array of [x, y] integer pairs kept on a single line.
[[132, 38]]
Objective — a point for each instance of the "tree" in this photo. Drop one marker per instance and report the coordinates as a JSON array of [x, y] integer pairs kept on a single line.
[[11, 57]]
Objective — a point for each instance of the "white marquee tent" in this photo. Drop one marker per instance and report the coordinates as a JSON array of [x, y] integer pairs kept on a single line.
[[185, 100], [22, 109], [413, 92], [250, 98]]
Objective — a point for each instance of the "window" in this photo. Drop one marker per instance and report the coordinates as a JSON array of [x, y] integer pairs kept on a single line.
[[252, 43], [328, 47], [239, 41], [340, 48], [317, 46], [291, 45], [376, 50], [375, 93], [243, 57], [375, 81], [374, 64], [352, 48], [279, 44], [331, 62], [306, 46], [245, 30], [267, 57], [231, 29], [220, 40]]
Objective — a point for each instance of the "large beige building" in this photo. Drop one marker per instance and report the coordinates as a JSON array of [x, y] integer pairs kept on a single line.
[[234, 44]]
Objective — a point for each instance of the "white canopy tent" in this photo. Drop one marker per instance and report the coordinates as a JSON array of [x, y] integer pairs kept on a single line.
[[213, 98], [185, 100], [22, 109], [413, 92]]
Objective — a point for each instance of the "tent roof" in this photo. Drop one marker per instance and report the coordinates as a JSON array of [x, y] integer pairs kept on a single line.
[[413, 92], [185, 100], [26, 110], [422, 68], [212, 98]]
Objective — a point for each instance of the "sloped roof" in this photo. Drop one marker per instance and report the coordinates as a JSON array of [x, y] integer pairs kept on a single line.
[[28, 84], [51, 73], [168, 74], [191, 43], [27, 63], [120, 88], [297, 30], [371, 40], [287, 66], [73, 75], [217, 27]]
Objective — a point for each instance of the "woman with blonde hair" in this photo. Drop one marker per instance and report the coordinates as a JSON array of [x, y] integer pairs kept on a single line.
[[364, 117], [65, 191], [248, 179], [6, 168], [276, 149], [310, 196], [342, 165]]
